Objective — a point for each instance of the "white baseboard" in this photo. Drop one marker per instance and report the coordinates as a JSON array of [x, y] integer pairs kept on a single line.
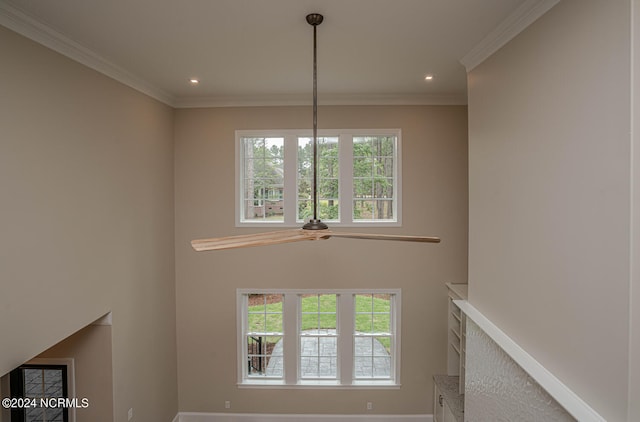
[[264, 417]]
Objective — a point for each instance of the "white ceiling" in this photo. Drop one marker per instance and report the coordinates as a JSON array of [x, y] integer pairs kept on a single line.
[[252, 51]]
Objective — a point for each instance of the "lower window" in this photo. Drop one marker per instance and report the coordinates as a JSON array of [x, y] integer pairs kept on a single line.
[[37, 383], [319, 337]]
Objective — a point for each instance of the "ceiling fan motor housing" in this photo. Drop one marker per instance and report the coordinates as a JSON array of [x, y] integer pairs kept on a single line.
[[315, 224]]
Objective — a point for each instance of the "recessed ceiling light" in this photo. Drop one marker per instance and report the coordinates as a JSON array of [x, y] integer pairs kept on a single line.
[[428, 77], [194, 81]]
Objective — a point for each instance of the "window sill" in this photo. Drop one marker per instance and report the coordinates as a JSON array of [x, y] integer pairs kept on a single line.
[[330, 384], [272, 224]]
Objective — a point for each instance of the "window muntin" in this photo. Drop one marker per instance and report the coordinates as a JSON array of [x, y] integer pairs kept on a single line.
[[358, 177], [342, 337]]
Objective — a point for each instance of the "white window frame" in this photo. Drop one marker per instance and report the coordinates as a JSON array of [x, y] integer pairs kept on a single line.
[[345, 158], [291, 341]]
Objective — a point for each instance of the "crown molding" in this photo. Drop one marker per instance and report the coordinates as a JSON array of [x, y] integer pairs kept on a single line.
[[18, 21], [508, 29], [27, 26], [326, 100]]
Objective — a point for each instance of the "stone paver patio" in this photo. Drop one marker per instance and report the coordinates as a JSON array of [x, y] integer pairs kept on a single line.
[[319, 355]]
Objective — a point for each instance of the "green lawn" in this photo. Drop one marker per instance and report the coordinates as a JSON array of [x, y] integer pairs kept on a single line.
[[319, 312]]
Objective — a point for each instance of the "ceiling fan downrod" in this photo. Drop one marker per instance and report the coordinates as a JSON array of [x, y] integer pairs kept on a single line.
[[315, 19]]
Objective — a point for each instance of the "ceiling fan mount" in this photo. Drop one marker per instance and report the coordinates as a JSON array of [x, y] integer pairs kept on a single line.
[[314, 19], [315, 229]]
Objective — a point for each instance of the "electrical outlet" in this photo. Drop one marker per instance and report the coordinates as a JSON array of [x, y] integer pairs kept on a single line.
[[227, 404], [130, 414], [369, 405]]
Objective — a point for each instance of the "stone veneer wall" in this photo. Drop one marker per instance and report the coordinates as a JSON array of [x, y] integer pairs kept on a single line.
[[498, 389]]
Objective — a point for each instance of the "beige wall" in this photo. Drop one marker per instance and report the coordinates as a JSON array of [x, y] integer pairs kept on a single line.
[[86, 181], [91, 375], [549, 196], [90, 349], [634, 340], [434, 149]]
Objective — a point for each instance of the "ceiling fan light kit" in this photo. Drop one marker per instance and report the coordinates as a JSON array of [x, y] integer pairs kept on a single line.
[[315, 229]]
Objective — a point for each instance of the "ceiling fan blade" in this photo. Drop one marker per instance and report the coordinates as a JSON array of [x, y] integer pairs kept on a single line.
[[372, 236], [249, 240]]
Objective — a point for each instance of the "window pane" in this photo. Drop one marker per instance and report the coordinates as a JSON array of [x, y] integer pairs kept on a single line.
[[363, 210], [364, 323], [362, 167], [264, 334], [328, 210], [362, 188], [383, 188], [53, 383], [263, 179], [362, 147], [318, 356], [373, 171], [383, 304], [309, 321], [264, 356], [381, 367], [318, 312], [305, 209], [256, 323], [33, 381], [371, 359], [388, 167], [383, 209], [318, 336], [328, 188], [44, 382], [382, 322], [328, 175], [364, 302], [304, 189], [34, 414], [264, 314], [373, 336], [385, 342]]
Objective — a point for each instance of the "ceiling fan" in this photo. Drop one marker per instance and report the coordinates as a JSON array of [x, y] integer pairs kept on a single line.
[[314, 229]]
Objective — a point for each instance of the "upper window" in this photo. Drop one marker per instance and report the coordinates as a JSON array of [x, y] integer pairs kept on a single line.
[[358, 178], [319, 337]]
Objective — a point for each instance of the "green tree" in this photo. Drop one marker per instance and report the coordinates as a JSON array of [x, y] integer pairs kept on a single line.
[[373, 158], [328, 174], [264, 172]]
